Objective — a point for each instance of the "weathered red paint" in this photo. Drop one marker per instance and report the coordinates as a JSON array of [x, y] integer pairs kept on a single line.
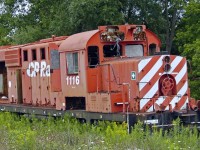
[[134, 83]]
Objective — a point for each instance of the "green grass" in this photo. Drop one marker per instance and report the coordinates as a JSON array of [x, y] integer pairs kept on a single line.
[[67, 133]]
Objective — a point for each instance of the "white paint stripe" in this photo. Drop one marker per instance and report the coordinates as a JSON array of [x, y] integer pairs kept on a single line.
[[174, 63], [156, 67], [151, 73], [182, 72], [154, 89], [174, 100], [181, 92], [149, 95], [150, 109], [160, 100], [143, 63]]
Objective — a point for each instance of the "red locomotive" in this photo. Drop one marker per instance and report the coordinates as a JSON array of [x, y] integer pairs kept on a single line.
[[114, 73]]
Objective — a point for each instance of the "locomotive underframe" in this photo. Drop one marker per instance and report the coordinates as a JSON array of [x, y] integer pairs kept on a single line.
[[160, 120]]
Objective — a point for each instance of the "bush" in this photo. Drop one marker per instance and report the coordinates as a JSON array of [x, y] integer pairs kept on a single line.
[[67, 133]]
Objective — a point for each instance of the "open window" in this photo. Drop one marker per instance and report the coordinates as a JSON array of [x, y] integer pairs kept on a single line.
[[134, 50], [34, 55], [93, 56], [112, 50], [25, 55], [72, 63], [152, 49], [42, 53]]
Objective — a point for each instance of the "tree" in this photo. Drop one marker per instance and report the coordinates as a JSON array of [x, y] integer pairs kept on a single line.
[[46, 18], [188, 41], [78, 16], [11, 14], [173, 10], [161, 16], [145, 12]]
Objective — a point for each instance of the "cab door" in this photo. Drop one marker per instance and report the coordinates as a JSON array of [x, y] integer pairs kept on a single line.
[[55, 79]]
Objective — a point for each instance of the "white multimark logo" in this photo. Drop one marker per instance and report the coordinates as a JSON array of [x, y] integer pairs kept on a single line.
[[35, 67]]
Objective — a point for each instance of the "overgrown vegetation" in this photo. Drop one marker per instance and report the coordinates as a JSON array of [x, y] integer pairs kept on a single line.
[[67, 133]]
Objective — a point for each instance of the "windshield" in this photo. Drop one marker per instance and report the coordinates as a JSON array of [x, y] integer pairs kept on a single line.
[[134, 50]]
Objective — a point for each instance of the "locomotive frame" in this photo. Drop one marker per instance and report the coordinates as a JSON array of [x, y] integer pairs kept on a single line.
[[115, 73]]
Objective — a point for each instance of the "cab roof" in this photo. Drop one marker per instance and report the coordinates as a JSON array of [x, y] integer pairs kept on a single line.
[[77, 41]]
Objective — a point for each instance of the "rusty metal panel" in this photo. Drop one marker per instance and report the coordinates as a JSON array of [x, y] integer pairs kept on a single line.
[[105, 100], [105, 70], [117, 103], [45, 91], [19, 86], [55, 78], [55, 81], [94, 81], [12, 85], [2, 55], [98, 102], [92, 102], [26, 88], [35, 82], [13, 57], [57, 100]]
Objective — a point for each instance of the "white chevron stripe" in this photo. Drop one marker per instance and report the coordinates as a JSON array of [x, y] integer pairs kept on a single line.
[[154, 88], [143, 63], [149, 95], [181, 73], [167, 108], [175, 100], [150, 109], [181, 92], [174, 63], [160, 100], [151, 73]]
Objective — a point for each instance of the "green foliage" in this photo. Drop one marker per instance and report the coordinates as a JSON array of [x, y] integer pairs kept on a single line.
[[67, 133], [66, 17], [188, 41]]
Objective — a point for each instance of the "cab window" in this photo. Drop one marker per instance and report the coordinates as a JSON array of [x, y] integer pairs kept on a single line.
[[112, 50], [152, 49], [134, 50], [93, 56], [72, 63]]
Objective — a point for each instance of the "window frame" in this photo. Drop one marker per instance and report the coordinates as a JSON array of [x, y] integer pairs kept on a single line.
[[74, 63], [26, 55], [89, 57], [110, 52], [41, 53], [34, 57], [125, 52]]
